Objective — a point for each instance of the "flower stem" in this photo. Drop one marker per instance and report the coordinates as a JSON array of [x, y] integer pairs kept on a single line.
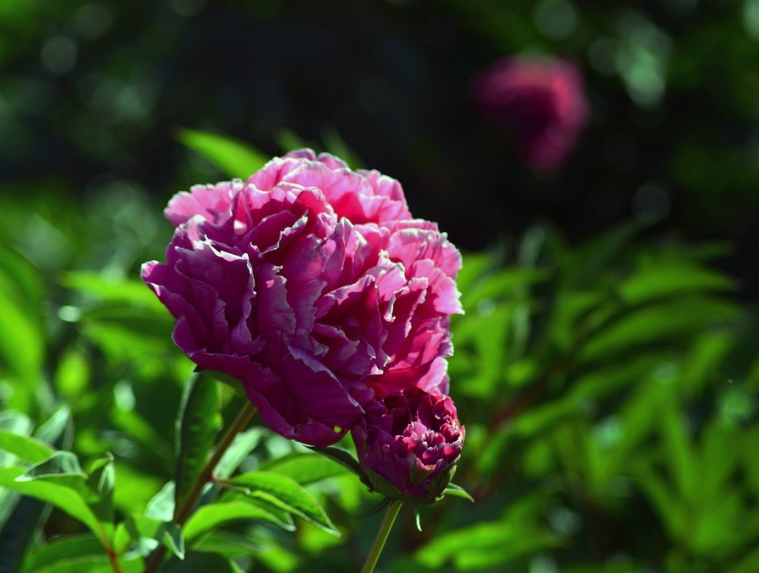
[[384, 531], [183, 512]]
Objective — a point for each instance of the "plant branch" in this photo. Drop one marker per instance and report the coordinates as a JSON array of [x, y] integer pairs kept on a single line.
[[183, 512], [384, 531]]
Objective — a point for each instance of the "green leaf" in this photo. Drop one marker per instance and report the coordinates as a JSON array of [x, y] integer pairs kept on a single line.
[[228, 544], [457, 491], [65, 498], [27, 449], [225, 379], [288, 140], [52, 429], [101, 481], [337, 147], [199, 562], [15, 422], [285, 493], [484, 546], [342, 457], [111, 288], [662, 323], [80, 564], [671, 278], [148, 533], [199, 420], [173, 538], [244, 443], [61, 550], [161, 505], [21, 340], [587, 263], [236, 158], [59, 464], [305, 468], [209, 517]]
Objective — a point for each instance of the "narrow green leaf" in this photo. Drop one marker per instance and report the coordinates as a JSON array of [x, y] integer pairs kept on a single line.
[[305, 468], [173, 538], [243, 444], [484, 546], [197, 424], [101, 483], [21, 340], [109, 288], [342, 457], [146, 533], [199, 562], [161, 505], [15, 422], [65, 498], [27, 449], [457, 491], [62, 549], [59, 464], [660, 324], [228, 544], [225, 379], [336, 146], [236, 158], [671, 278], [54, 427], [80, 564], [214, 515], [288, 140], [287, 494]]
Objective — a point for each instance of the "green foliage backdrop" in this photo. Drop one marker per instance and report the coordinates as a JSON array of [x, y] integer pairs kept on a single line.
[[606, 367]]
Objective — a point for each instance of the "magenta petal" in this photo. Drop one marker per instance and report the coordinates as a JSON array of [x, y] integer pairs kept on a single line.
[[313, 285], [209, 201]]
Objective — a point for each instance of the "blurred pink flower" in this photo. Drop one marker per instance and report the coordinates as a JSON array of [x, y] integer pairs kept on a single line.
[[311, 284], [540, 102], [408, 444]]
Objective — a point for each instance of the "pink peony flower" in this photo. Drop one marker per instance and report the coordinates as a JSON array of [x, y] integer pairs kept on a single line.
[[311, 284], [540, 102], [408, 444]]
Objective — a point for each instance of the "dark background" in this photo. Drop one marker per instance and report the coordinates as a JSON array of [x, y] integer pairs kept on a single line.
[[93, 92]]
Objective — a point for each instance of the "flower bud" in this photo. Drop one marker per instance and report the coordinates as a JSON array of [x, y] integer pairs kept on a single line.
[[408, 444]]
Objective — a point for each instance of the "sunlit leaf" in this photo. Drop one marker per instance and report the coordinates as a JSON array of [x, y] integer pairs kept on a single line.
[[209, 517], [63, 497], [108, 288], [200, 562], [485, 545], [234, 157], [668, 279], [199, 420], [228, 544], [285, 493], [242, 445], [26, 448], [304, 468], [62, 550]]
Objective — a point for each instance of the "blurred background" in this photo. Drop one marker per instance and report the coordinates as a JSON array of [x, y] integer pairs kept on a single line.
[[606, 368]]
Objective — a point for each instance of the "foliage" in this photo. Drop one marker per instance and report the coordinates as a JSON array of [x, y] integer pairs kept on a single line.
[[607, 388]]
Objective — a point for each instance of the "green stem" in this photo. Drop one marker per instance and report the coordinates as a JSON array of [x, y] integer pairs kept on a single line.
[[183, 512], [384, 531]]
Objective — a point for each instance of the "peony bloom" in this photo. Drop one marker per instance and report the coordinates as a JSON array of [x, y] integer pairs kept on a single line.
[[314, 286], [539, 102], [408, 444]]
